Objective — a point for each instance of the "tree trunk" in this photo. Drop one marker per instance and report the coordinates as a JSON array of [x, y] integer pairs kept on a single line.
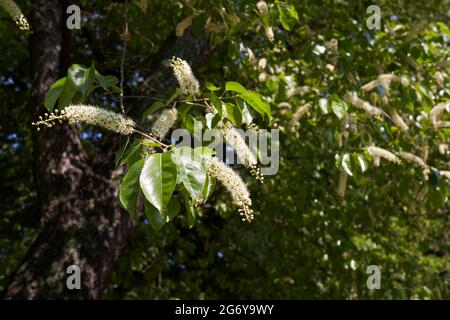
[[81, 221]]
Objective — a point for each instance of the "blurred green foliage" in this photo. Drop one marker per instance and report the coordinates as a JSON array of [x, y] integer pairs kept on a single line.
[[305, 241]]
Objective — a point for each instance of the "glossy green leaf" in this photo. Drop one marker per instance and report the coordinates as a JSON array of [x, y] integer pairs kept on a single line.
[[257, 103], [158, 179], [153, 216], [83, 78], [211, 87], [234, 114], [130, 189], [216, 103], [235, 86], [191, 170], [53, 94]]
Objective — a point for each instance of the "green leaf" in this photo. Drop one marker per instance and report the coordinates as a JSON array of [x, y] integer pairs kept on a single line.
[[53, 94], [235, 86], [288, 16], [190, 210], [68, 92], [158, 179], [129, 188], [82, 78], [191, 170], [339, 108], [106, 82], [121, 152], [131, 155], [211, 87], [153, 108], [216, 103], [234, 114], [208, 189], [158, 219], [172, 210], [151, 143], [212, 119], [257, 103], [246, 115], [204, 152], [153, 216]]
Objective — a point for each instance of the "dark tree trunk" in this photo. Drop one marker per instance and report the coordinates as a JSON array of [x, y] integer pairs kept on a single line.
[[81, 220]]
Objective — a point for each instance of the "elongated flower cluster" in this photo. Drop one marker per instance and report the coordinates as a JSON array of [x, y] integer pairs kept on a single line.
[[342, 183], [16, 14], [302, 90], [185, 77], [165, 122], [298, 115], [418, 161], [378, 153], [361, 104], [446, 174], [436, 114], [234, 185], [262, 7], [385, 80], [91, 116], [398, 120], [413, 158], [245, 155]]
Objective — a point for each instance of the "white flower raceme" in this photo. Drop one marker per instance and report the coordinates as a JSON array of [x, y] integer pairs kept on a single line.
[[233, 184], [262, 7], [439, 78], [398, 120], [302, 90], [418, 161], [165, 122], [16, 14], [378, 153], [299, 114], [446, 174], [443, 148], [91, 116], [385, 80], [342, 183], [436, 114], [269, 33], [244, 154], [361, 104], [185, 77], [413, 158]]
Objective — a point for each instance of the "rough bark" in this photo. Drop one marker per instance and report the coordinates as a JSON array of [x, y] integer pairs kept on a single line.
[[81, 220]]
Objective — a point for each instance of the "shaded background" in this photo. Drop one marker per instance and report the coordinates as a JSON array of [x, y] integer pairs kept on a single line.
[[58, 199]]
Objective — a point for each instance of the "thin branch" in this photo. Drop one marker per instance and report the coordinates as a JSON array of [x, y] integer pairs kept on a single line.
[[122, 64]]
